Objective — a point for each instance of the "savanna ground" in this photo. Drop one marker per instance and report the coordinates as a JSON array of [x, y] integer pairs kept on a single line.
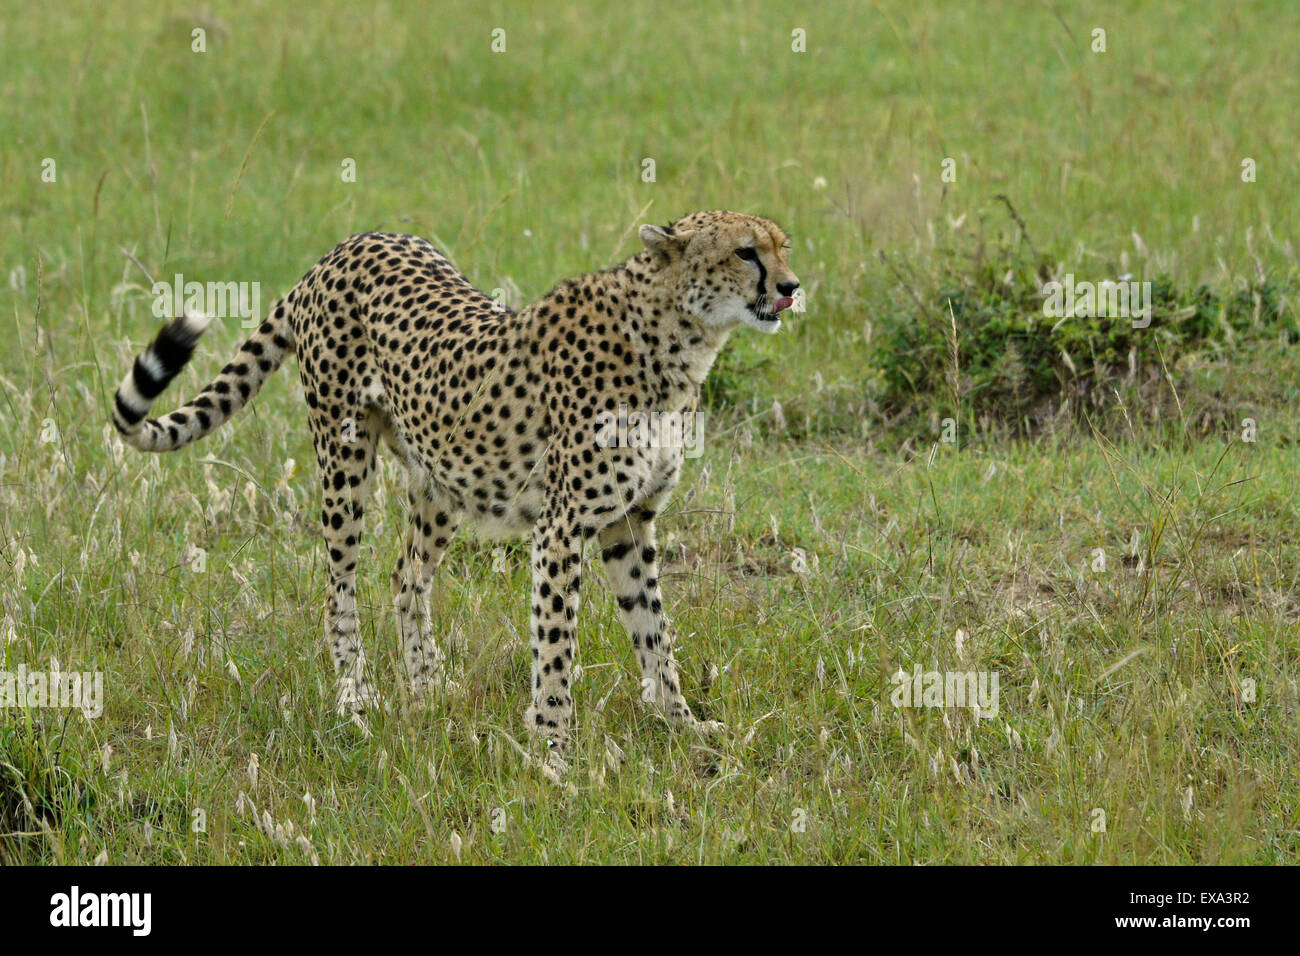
[[1102, 533]]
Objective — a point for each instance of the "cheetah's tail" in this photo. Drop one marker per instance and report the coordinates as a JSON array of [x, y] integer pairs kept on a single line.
[[238, 382]]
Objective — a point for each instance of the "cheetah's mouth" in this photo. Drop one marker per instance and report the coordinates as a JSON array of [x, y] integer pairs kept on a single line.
[[768, 313]]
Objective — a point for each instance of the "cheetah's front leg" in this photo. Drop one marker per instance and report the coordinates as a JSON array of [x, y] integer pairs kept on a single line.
[[557, 552], [627, 548]]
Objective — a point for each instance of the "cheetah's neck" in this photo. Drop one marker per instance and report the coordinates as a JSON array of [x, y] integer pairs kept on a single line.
[[676, 349]]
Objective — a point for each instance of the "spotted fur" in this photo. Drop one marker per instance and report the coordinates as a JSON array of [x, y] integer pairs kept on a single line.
[[495, 415]]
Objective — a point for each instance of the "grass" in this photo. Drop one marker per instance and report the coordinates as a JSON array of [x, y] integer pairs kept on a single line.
[[824, 541]]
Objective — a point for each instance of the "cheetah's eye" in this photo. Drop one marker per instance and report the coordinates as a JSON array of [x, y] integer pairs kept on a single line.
[[749, 253]]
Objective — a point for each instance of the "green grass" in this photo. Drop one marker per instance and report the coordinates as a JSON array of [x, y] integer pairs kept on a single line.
[[1123, 691]]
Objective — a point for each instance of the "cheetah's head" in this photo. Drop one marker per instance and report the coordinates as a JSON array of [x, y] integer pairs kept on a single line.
[[725, 268]]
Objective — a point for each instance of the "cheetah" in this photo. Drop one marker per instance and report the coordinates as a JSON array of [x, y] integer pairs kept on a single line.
[[495, 415]]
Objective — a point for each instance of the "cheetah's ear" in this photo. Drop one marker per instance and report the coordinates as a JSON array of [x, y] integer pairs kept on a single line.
[[664, 242]]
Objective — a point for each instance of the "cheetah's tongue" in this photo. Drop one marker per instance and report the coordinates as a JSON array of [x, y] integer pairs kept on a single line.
[[781, 304]]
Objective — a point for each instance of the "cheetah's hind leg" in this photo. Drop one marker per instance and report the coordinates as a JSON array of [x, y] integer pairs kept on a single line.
[[433, 522], [345, 453]]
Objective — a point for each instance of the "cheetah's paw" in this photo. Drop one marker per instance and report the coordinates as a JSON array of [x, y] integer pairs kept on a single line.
[[707, 728]]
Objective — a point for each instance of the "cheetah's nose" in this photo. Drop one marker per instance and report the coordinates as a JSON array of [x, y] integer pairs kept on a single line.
[[787, 288]]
